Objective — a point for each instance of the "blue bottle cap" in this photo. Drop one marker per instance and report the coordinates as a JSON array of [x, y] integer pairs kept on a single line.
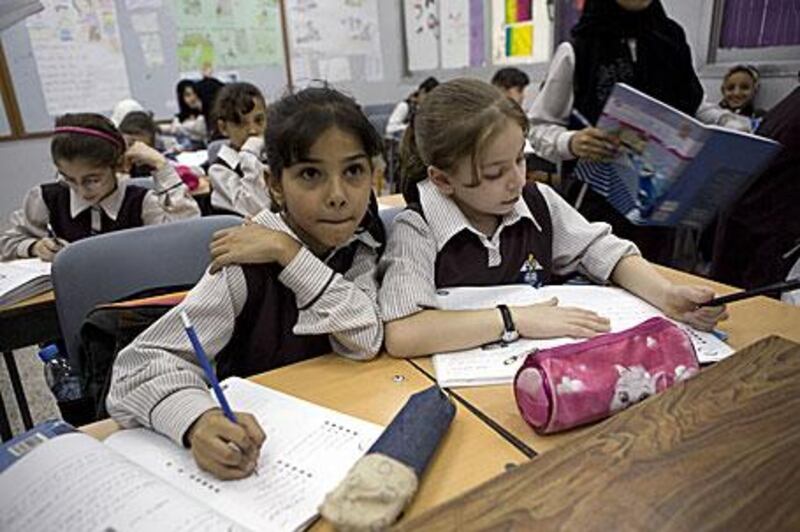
[[48, 353]]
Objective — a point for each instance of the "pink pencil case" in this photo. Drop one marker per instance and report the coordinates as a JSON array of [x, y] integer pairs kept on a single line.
[[571, 385]]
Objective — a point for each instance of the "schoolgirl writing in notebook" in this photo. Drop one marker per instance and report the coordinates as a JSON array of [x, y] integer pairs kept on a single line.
[[472, 220], [314, 290], [88, 197], [237, 172]]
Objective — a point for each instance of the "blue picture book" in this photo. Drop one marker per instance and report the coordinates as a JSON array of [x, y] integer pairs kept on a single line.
[[670, 169]]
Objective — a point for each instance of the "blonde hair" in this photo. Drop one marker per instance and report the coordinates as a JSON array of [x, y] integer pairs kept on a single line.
[[454, 121]]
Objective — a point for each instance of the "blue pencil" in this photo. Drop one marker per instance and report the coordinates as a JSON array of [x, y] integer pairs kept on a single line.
[[210, 375], [580, 118]]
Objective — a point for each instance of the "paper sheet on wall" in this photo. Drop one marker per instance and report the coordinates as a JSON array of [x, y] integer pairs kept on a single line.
[[521, 31], [228, 34], [497, 364], [143, 4], [455, 35], [69, 40], [334, 40], [422, 33]]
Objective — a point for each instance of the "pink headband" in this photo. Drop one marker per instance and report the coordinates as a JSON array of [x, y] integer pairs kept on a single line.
[[91, 132]]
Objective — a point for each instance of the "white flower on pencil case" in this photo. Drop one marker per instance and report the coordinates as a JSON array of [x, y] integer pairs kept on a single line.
[[571, 385]]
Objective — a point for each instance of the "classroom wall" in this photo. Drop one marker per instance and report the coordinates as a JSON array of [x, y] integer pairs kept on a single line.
[[26, 162], [23, 164]]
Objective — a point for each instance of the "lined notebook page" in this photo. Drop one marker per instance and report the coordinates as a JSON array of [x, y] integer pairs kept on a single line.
[[496, 364], [309, 449]]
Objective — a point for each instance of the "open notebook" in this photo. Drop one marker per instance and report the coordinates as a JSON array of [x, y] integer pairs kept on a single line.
[[138, 480], [24, 278], [497, 363]]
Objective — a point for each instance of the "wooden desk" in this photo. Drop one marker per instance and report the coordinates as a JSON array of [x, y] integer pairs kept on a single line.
[[470, 454], [392, 200], [718, 452], [28, 322], [751, 320]]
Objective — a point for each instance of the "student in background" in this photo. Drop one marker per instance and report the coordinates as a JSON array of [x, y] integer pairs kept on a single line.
[[312, 291], [739, 88], [138, 126], [122, 109], [758, 237], [189, 125], [472, 220], [628, 41], [512, 81], [237, 174], [403, 112], [87, 197]]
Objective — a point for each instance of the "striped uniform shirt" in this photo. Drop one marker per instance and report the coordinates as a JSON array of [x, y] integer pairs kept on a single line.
[[238, 182], [169, 201], [157, 381], [407, 268]]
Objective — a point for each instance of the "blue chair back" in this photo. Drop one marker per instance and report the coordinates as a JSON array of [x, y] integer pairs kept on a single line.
[[109, 267]]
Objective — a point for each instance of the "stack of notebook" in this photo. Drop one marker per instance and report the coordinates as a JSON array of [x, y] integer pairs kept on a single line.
[[21, 279]]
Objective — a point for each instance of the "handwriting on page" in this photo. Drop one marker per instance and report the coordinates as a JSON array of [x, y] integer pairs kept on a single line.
[[307, 452], [97, 490], [482, 367]]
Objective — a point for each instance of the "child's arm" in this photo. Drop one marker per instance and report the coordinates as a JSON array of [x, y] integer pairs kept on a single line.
[[343, 306], [680, 302], [414, 327], [170, 200], [158, 383], [248, 194], [27, 234]]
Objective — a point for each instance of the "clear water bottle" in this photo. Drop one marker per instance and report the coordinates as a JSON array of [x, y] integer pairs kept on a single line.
[[58, 374]]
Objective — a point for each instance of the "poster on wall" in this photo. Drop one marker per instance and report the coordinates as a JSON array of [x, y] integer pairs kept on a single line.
[[422, 30], [455, 35], [78, 53], [335, 40], [228, 34], [444, 33], [521, 31]]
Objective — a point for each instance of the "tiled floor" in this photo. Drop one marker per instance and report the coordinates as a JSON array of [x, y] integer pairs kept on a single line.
[[40, 401]]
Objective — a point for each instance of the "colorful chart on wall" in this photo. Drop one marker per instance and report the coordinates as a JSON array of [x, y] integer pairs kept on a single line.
[[521, 31], [69, 39], [334, 40], [229, 34]]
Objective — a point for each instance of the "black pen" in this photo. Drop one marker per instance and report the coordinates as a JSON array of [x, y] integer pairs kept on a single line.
[[776, 287]]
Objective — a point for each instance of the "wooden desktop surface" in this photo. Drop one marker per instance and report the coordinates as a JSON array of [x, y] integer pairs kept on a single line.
[[392, 200], [718, 452], [470, 454], [750, 320]]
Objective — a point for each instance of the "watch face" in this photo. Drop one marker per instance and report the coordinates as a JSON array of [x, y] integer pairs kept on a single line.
[[510, 336]]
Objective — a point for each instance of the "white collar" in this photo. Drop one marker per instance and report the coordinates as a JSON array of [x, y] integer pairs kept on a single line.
[[446, 220], [230, 156], [111, 204]]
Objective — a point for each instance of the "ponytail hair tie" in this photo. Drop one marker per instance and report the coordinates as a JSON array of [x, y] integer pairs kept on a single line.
[[92, 133]]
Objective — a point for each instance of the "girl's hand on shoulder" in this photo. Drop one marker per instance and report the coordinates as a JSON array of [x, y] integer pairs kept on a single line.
[[225, 449], [548, 320], [141, 153], [46, 248], [593, 143], [251, 243], [681, 302]]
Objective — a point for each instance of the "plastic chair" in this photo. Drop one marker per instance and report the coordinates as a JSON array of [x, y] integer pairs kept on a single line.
[[109, 267], [144, 182], [388, 214]]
